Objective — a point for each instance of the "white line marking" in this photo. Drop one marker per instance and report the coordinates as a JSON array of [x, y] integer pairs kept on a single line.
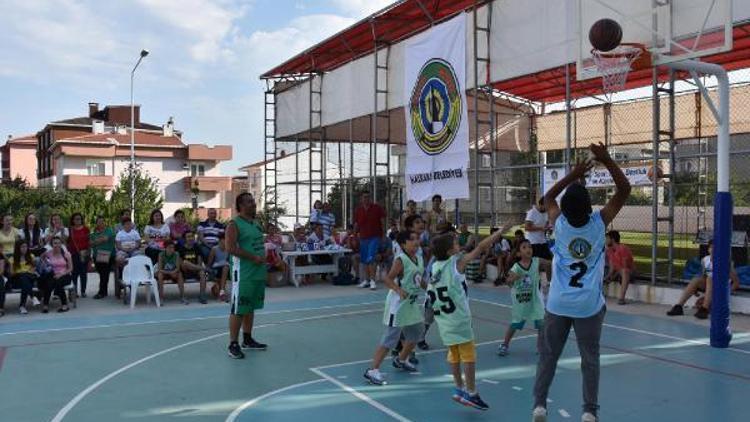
[[488, 381], [130, 324], [517, 388], [232, 416], [80, 396], [635, 330], [563, 413], [549, 400], [364, 397], [415, 373], [342, 377]]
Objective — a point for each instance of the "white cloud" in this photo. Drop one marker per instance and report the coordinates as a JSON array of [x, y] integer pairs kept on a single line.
[[361, 8]]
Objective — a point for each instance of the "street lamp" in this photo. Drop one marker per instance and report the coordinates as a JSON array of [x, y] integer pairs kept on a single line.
[[144, 53]]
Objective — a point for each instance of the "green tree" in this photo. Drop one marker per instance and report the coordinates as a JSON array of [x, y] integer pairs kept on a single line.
[[147, 195]]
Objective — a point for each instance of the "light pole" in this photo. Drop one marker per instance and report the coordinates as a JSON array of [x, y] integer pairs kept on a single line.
[[144, 53]]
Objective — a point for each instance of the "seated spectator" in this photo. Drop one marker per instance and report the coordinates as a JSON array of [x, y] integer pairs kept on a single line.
[[8, 236], [497, 255], [192, 264], [155, 234], [338, 237], [31, 232], [218, 262], [318, 238], [127, 242], [299, 234], [3, 281], [179, 227], [120, 218], [466, 239], [168, 269], [352, 242], [22, 272], [703, 282], [620, 262], [209, 233], [317, 209], [57, 267], [411, 209], [392, 231], [324, 217], [56, 228], [273, 244]]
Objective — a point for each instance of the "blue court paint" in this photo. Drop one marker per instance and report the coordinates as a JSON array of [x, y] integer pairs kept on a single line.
[[720, 334]]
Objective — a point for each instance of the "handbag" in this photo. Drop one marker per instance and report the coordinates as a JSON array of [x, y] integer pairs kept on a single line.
[[103, 257]]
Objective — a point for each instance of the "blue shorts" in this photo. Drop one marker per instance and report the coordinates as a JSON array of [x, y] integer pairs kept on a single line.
[[519, 325], [368, 248]]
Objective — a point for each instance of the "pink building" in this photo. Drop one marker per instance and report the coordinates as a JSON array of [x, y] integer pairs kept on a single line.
[[19, 159]]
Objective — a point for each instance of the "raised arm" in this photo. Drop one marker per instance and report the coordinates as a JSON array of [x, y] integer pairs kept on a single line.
[[485, 244], [550, 198], [622, 185]]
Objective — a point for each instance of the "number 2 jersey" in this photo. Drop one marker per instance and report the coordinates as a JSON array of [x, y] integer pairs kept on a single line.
[[447, 296], [402, 312], [578, 268], [524, 293]]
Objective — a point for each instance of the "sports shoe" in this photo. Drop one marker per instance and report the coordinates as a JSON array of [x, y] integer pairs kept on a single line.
[[253, 345], [622, 302], [403, 365], [423, 345], [676, 310], [539, 414], [222, 296], [413, 359], [202, 300], [502, 350], [459, 395], [235, 352], [364, 284], [701, 313], [22, 310], [373, 286], [475, 401], [374, 377], [588, 417], [35, 301], [184, 301]]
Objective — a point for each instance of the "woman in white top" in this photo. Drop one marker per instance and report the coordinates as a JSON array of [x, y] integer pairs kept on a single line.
[[155, 234], [56, 228]]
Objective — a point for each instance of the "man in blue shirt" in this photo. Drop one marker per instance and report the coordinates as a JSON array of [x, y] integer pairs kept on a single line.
[[575, 296]]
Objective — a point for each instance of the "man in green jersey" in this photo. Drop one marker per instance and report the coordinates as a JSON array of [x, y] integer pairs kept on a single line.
[[244, 242]]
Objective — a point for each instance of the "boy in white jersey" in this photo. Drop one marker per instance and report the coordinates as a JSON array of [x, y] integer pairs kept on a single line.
[[575, 297], [403, 313], [525, 293], [447, 296]]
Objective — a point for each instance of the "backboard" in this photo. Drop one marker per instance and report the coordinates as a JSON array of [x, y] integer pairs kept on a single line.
[[671, 30]]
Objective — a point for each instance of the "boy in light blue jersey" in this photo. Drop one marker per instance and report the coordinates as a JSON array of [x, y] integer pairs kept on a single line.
[[575, 296], [448, 299], [403, 313]]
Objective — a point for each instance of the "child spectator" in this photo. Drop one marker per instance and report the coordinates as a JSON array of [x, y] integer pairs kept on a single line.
[[273, 246], [218, 261], [169, 265], [620, 261]]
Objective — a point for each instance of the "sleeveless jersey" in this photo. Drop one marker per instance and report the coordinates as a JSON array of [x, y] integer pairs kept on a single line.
[[402, 312], [578, 261], [249, 238], [524, 293], [447, 296]]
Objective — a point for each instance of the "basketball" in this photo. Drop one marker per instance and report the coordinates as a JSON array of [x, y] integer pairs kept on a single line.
[[605, 34]]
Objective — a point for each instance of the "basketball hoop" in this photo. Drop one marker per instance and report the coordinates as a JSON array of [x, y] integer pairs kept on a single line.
[[614, 65]]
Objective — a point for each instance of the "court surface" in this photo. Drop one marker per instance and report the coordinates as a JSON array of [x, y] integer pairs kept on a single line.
[[171, 363]]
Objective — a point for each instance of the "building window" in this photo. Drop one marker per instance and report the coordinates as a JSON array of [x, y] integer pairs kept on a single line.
[[486, 160], [95, 168], [197, 169], [484, 194]]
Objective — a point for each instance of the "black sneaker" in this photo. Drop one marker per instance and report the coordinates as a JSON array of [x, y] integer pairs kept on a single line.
[[423, 345], [701, 313], [475, 401], [235, 352], [413, 359], [676, 311], [254, 345]]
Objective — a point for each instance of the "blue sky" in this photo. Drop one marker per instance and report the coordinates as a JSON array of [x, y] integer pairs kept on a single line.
[[206, 56]]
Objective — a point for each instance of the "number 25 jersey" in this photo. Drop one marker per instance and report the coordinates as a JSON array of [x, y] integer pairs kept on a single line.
[[577, 268], [447, 296]]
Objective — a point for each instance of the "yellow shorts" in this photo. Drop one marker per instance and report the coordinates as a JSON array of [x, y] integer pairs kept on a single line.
[[464, 353]]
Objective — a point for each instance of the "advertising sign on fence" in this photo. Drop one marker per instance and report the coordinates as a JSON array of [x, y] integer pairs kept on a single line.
[[598, 177]]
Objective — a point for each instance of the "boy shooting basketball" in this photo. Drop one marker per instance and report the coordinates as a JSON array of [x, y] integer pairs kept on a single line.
[[575, 296]]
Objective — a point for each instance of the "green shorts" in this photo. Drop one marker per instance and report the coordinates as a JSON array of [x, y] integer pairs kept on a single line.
[[247, 296]]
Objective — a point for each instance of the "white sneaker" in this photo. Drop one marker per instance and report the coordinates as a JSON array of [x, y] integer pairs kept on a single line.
[[35, 301], [375, 377], [23, 310], [364, 284], [539, 414], [588, 417], [373, 286]]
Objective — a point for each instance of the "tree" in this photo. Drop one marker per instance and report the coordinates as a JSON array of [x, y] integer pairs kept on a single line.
[[147, 195]]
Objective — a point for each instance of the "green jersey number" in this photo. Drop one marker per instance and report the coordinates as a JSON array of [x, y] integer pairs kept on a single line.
[[448, 306]]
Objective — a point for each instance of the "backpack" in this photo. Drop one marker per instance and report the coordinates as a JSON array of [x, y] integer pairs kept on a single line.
[[344, 277]]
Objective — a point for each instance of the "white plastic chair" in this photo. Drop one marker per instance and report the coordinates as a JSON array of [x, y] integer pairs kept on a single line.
[[139, 271]]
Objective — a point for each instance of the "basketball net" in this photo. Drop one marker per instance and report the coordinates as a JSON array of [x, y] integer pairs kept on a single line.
[[614, 65]]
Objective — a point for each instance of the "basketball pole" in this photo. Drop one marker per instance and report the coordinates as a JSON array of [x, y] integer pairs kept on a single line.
[[720, 333]]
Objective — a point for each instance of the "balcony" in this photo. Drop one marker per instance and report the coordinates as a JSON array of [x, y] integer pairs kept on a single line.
[[75, 181], [199, 152], [208, 183]]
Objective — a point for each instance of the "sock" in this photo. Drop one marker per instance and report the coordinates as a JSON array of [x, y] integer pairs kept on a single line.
[[471, 393], [247, 338]]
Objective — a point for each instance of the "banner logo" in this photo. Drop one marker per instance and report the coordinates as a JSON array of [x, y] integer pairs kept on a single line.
[[435, 107]]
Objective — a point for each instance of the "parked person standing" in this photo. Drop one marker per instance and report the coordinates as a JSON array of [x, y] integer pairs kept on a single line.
[[317, 209], [155, 235], [78, 246], [102, 242], [179, 227], [411, 209], [369, 219], [536, 226], [8, 236], [31, 232], [244, 242], [56, 228], [436, 215], [325, 218], [209, 233]]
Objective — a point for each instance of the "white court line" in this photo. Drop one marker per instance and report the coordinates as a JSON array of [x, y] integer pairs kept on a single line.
[[564, 413], [232, 416], [517, 388], [80, 396], [130, 324], [364, 397], [635, 330], [488, 381]]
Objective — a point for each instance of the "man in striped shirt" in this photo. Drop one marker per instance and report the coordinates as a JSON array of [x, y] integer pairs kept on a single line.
[[325, 218], [209, 232]]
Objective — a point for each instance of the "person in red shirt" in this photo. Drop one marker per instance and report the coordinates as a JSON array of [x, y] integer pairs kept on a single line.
[[78, 246], [621, 265], [369, 220]]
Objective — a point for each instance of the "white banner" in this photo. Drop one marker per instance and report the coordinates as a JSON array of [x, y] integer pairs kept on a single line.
[[437, 127], [598, 177]]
